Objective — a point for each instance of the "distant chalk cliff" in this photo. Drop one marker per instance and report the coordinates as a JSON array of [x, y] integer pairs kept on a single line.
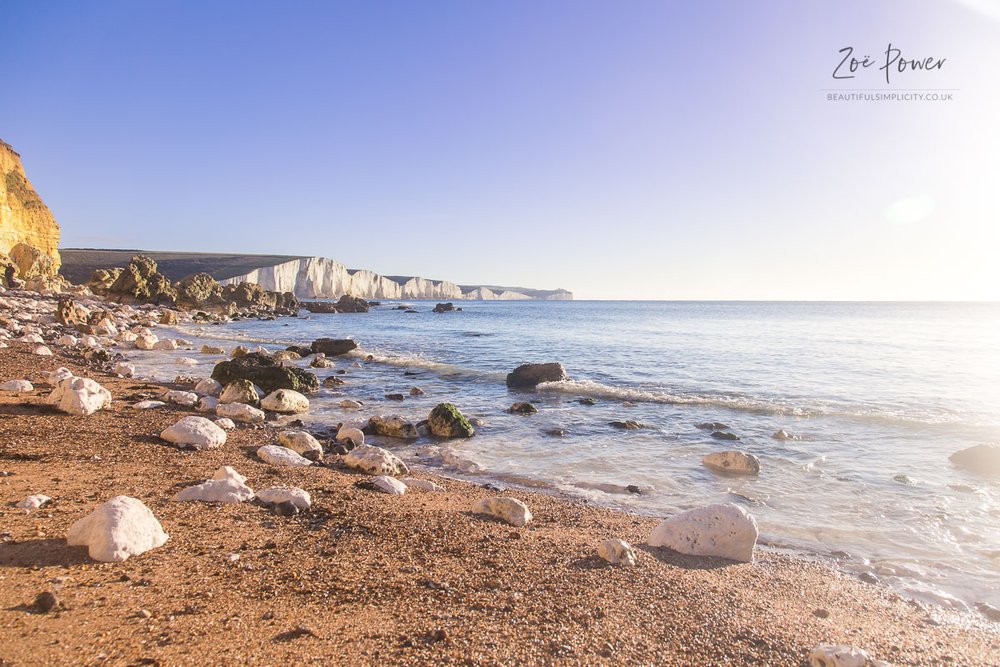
[[306, 277]]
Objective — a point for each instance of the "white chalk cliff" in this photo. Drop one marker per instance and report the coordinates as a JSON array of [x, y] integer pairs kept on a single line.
[[324, 278]]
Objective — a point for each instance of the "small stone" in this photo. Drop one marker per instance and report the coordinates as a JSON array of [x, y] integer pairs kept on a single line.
[[724, 435], [509, 510], [416, 391], [277, 495], [286, 508], [281, 456], [394, 397], [522, 408], [144, 613], [821, 613], [616, 552], [421, 484], [389, 485], [46, 602]]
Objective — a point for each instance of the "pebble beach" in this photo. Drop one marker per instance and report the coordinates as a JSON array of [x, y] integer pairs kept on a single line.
[[364, 576]]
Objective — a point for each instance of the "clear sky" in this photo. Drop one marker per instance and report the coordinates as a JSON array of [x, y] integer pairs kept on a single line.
[[635, 150]]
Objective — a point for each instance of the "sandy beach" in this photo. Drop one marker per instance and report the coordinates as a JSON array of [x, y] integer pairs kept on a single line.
[[365, 577]]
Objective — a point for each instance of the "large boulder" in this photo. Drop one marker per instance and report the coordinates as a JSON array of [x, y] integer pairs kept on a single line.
[[140, 282], [70, 313], [445, 421], [264, 372], [102, 279], [238, 391], [528, 376], [32, 262], [119, 528], [196, 432], [333, 347], [981, 459], [199, 290], [79, 396], [240, 412], [352, 304], [724, 531], [302, 443], [392, 426]]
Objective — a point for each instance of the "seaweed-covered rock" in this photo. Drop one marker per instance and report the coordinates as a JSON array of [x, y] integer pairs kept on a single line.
[[445, 421], [199, 289], [392, 426], [264, 372]]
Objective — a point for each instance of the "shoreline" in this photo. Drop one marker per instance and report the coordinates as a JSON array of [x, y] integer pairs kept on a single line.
[[365, 576]]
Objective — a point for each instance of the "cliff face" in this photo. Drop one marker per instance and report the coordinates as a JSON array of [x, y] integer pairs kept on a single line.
[[323, 278], [24, 217]]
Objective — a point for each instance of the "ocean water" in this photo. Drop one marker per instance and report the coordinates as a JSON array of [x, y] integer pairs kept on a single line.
[[877, 395]]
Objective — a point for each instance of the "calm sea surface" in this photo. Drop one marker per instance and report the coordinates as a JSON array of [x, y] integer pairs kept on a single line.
[[878, 395]]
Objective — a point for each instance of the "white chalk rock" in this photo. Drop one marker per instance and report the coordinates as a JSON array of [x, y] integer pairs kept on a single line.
[[146, 341], [389, 485], [240, 412], [350, 405], [281, 456], [355, 434], [229, 472], [127, 337], [167, 344], [375, 461], [124, 369], [225, 423], [196, 432], [286, 401], [179, 397], [723, 530], [33, 502], [19, 386], [187, 361], [841, 655], [285, 494], [732, 461], [119, 528], [90, 341], [302, 443], [208, 387], [216, 491], [207, 404], [67, 340], [421, 484], [616, 552], [42, 351], [148, 405], [31, 338], [79, 396], [509, 510]]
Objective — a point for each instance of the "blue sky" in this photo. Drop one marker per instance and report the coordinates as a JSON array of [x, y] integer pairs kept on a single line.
[[653, 150]]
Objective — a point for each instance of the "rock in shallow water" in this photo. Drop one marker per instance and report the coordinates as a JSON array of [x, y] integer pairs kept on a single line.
[[528, 376], [392, 426], [732, 461], [980, 459], [723, 531], [120, 528], [446, 421], [522, 408]]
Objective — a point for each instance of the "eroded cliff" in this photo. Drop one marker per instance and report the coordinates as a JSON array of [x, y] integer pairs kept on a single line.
[[24, 217]]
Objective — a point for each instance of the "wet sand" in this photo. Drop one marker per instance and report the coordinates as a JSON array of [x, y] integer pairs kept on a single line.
[[366, 577]]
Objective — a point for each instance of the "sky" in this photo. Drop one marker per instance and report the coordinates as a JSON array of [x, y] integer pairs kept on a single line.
[[639, 150]]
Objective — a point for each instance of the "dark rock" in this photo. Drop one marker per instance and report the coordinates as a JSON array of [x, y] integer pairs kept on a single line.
[[522, 408], [333, 381], [374, 303], [340, 449], [444, 307], [300, 350], [352, 304], [712, 426], [139, 282], [333, 347], [627, 425], [528, 376], [868, 578], [416, 391], [46, 602], [286, 508], [586, 401], [320, 306], [446, 421], [392, 426], [980, 459], [555, 432], [724, 435], [264, 372], [821, 613], [394, 397], [409, 310], [989, 611], [632, 488]]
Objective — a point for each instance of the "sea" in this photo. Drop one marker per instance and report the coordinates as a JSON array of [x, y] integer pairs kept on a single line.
[[875, 397]]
